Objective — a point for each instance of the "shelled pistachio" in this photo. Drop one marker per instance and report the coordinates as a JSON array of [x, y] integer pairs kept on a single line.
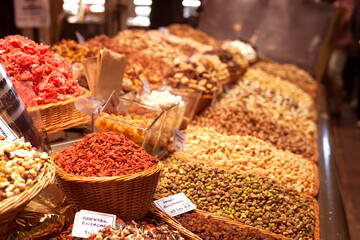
[[20, 166], [240, 121], [250, 154], [248, 198]]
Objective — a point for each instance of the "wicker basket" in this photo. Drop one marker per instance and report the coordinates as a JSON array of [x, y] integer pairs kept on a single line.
[[11, 206], [127, 196], [62, 115]]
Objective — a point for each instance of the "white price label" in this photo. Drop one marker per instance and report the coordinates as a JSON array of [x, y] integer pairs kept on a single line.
[[6, 131], [146, 86], [179, 140], [111, 104], [89, 222], [175, 205]]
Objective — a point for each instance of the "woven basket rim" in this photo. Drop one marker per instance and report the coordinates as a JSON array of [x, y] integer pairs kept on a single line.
[[10, 204], [60, 103], [73, 178]]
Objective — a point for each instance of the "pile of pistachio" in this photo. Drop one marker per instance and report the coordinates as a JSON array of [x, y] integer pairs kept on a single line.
[[250, 199], [20, 166]]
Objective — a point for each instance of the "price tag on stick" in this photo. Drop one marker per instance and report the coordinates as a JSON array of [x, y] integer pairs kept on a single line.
[[89, 222], [175, 205], [179, 140]]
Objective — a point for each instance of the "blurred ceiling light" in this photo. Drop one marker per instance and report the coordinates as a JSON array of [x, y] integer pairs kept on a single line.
[[143, 2], [191, 3], [97, 8], [142, 11]]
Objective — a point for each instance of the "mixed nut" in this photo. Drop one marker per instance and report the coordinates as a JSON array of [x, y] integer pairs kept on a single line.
[[20, 166], [250, 154], [186, 31], [196, 73], [282, 109], [250, 199], [73, 51], [291, 73], [282, 86], [240, 121], [138, 65]]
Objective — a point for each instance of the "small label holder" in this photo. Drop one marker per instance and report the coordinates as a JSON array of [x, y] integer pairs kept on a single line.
[[179, 140], [175, 205]]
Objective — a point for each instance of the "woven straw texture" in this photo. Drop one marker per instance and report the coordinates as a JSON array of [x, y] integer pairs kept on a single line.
[[62, 115], [127, 196], [11, 206]]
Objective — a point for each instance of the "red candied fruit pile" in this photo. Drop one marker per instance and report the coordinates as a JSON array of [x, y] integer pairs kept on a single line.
[[28, 62]]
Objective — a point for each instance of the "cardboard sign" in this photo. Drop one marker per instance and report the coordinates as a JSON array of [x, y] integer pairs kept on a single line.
[[175, 205], [6, 131], [179, 140], [89, 222], [32, 14]]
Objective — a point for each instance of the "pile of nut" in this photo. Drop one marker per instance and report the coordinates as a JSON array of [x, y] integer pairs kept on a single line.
[[250, 199], [196, 73], [20, 167], [282, 86], [138, 65], [250, 154], [245, 49], [291, 73], [148, 44], [233, 120], [185, 31], [208, 227], [199, 47], [282, 109], [227, 57], [73, 51]]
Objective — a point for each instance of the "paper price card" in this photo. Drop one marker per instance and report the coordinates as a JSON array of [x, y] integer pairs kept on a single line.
[[111, 104], [179, 140], [6, 131], [89, 222], [175, 205]]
